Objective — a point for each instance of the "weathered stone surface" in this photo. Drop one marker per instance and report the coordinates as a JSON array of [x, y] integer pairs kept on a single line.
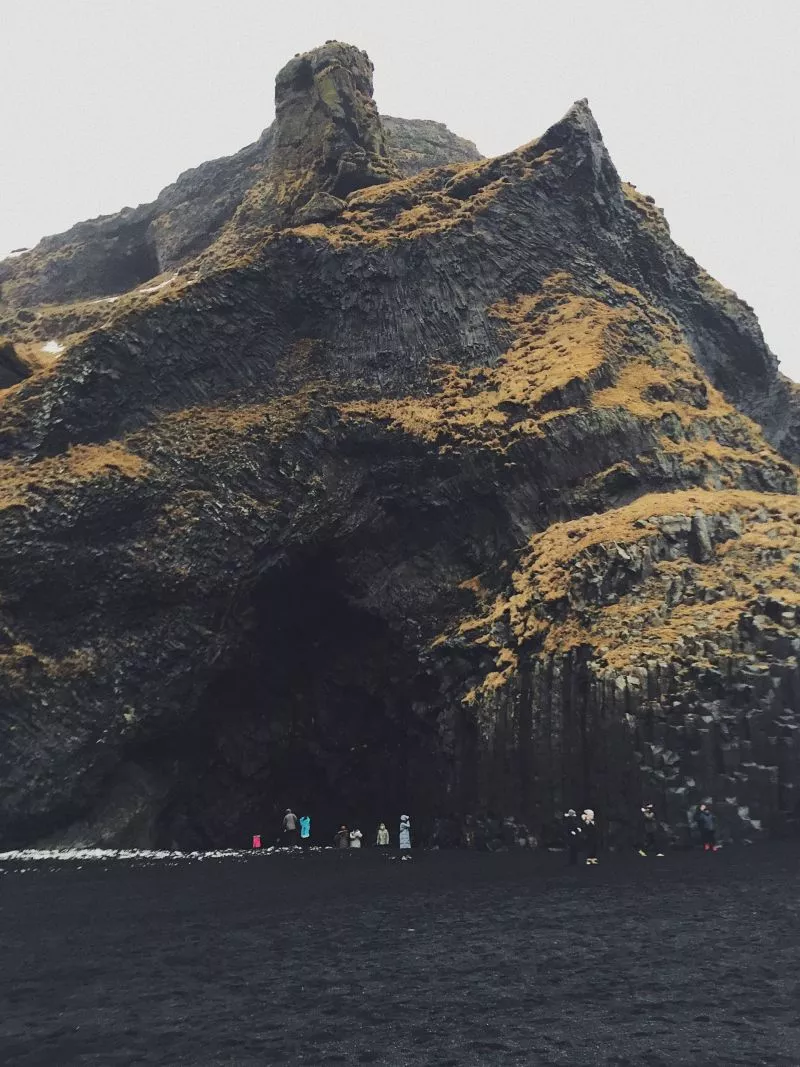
[[415, 145], [449, 502]]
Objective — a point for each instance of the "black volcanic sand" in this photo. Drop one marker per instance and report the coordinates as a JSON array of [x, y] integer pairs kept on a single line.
[[453, 958]]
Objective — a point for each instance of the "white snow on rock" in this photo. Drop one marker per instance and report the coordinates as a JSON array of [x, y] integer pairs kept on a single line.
[[53, 348], [161, 285]]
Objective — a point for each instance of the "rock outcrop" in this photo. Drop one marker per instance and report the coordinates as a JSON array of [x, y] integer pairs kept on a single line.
[[326, 121], [471, 494], [327, 138], [419, 144]]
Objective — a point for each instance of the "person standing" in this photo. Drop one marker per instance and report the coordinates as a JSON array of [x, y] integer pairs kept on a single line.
[[589, 836], [707, 825], [355, 838], [382, 840], [649, 832], [291, 828], [342, 837], [572, 833], [305, 830], [405, 832]]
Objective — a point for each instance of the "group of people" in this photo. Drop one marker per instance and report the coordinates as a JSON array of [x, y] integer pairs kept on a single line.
[[581, 832], [297, 830]]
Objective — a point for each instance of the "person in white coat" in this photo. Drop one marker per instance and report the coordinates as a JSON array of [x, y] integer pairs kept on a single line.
[[355, 838], [405, 832], [382, 840]]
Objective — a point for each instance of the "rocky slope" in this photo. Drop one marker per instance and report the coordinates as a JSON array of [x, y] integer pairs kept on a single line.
[[466, 491]]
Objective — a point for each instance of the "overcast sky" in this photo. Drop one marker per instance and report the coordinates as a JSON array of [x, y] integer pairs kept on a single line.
[[103, 102]]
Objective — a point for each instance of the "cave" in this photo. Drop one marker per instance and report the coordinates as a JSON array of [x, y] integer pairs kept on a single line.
[[322, 708]]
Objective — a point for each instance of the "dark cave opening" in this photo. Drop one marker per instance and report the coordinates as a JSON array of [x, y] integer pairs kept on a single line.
[[324, 708]]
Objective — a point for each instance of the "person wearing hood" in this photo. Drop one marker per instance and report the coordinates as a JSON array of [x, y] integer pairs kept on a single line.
[[589, 836], [572, 833], [291, 828], [305, 829], [707, 825], [342, 837], [649, 832], [382, 840], [355, 838], [405, 832]]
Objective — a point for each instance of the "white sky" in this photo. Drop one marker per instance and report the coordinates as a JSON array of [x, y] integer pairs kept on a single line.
[[103, 102]]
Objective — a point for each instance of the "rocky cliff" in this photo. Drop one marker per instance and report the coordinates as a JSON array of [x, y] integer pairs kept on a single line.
[[318, 97], [468, 492]]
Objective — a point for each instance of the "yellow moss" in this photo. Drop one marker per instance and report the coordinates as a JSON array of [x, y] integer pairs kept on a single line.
[[570, 351], [81, 463], [649, 215], [558, 339], [17, 660], [430, 202], [203, 431], [644, 623]]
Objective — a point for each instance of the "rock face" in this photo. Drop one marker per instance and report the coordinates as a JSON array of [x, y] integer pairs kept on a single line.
[[471, 495], [417, 144], [327, 139]]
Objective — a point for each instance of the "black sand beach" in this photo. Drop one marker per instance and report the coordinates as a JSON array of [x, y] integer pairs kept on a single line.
[[453, 958]]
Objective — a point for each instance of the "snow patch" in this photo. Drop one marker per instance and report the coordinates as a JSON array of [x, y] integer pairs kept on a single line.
[[53, 348], [161, 285]]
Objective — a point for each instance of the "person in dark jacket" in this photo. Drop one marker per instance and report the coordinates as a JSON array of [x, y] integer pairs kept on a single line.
[[707, 825], [342, 837], [649, 832], [572, 834], [589, 836]]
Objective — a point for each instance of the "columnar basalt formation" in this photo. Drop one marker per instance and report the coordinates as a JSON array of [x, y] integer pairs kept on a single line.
[[469, 492]]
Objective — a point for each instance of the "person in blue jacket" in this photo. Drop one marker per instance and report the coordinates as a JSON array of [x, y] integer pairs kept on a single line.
[[305, 829]]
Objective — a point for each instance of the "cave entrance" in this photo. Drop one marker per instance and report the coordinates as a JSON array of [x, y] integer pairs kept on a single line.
[[324, 708]]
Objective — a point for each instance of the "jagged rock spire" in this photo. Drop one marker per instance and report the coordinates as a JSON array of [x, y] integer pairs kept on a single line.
[[328, 138]]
